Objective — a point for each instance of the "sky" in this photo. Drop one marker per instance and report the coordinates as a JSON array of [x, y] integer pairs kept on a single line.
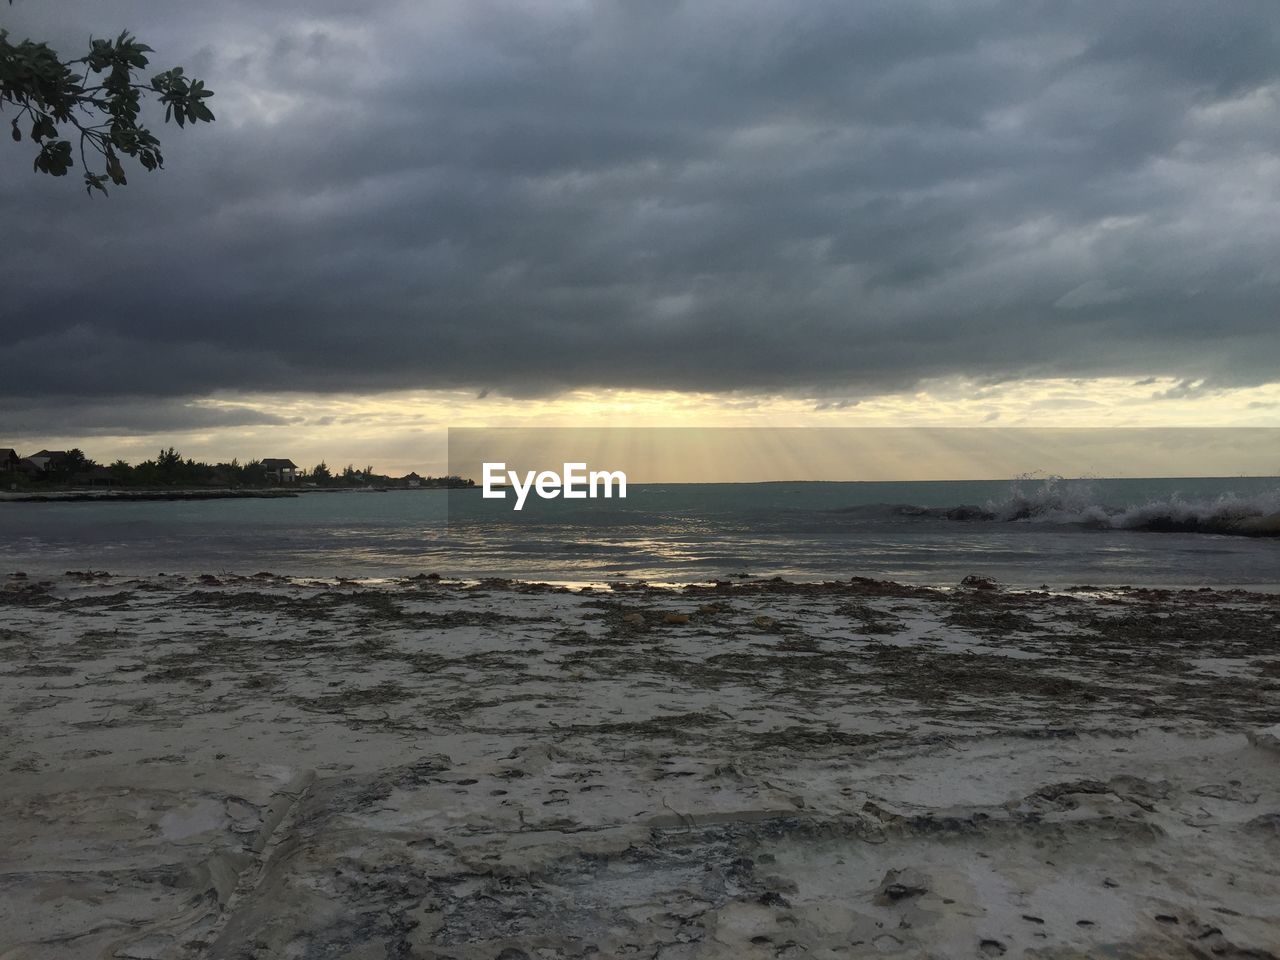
[[412, 216]]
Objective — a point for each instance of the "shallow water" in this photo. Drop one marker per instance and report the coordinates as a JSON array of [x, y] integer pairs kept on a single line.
[[1066, 533]]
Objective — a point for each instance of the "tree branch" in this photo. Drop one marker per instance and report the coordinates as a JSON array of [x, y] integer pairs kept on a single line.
[[45, 90]]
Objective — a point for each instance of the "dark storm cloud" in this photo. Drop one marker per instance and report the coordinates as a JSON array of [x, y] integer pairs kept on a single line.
[[125, 416], [816, 197]]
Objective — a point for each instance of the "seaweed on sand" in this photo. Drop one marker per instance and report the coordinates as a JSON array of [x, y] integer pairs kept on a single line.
[[870, 620], [807, 739], [26, 593], [914, 673], [115, 601], [352, 698], [678, 727]]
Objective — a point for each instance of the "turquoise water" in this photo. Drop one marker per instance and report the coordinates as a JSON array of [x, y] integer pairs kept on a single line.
[[1026, 533]]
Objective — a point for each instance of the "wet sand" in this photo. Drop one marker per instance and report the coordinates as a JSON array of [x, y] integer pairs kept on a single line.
[[259, 768]]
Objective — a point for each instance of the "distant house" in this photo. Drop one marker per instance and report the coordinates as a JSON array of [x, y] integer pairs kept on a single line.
[[281, 471], [95, 476], [46, 460], [9, 460], [412, 480]]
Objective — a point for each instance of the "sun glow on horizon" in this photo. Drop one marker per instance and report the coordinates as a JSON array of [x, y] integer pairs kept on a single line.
[[406, 430]]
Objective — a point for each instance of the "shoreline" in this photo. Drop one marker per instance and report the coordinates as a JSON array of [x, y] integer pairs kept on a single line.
[[259, 766], [134, 496], [737, 583], [128, 495]]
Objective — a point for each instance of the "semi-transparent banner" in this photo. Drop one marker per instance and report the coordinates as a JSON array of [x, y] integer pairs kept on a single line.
[[534, 472]]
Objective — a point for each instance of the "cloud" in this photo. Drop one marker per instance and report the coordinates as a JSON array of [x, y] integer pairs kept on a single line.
[[822, 199], [129, 416], [838, 404], [1186, 389]]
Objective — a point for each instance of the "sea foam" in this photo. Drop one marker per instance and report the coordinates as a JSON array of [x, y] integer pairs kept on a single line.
[[1055, 500]]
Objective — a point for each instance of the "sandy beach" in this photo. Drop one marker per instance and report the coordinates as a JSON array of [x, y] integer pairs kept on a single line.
[[511, 480], [259, 767]]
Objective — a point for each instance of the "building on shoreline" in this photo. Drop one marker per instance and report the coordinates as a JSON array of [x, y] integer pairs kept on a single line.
[[45, 460], [281, 471]]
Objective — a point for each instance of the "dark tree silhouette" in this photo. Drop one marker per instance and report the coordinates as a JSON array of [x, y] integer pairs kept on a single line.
[[99, 96]]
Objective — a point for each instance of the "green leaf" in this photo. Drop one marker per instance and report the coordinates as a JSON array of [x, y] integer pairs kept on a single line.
[[115, 171]]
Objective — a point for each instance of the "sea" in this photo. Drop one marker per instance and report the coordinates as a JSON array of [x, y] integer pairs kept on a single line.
[[1025, 533]]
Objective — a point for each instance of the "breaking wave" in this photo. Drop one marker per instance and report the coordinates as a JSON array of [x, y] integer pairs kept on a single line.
[[1055, 500], [1079, 503]]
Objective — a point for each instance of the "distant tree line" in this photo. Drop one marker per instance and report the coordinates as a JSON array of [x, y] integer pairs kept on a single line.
[[170, 469], [322, 476]]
